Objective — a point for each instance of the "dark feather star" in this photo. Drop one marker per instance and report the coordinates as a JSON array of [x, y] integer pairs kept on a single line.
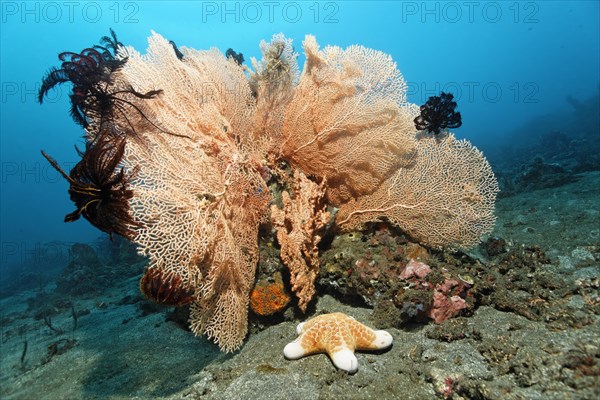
[[438, 114], [99, 188], [91, 74]]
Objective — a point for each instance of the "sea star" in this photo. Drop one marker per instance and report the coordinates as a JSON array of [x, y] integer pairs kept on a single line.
[[338, 335]]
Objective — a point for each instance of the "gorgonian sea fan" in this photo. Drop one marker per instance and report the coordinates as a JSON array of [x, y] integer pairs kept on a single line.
[[194, 199]]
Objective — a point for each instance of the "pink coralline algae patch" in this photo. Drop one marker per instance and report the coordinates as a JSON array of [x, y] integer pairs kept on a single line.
[[445, 303], [415, 269]]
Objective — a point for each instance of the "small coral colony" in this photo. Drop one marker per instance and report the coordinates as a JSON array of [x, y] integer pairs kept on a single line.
[[189, 152]]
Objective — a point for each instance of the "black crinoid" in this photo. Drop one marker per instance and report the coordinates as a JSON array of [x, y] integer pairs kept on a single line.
[[91, 74], [178, 52], [165, 288], [237, 57], [99, 188], [438, 114]]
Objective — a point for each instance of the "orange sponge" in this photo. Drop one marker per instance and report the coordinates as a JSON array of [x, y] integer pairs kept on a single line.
[[269, 297]]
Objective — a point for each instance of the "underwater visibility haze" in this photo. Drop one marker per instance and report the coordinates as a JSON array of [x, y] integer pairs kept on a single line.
[[302, 199]]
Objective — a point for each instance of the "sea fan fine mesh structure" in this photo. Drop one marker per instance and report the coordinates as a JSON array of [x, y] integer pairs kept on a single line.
[[201, 150]]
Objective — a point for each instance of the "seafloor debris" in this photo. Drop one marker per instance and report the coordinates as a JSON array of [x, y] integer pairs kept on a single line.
[[379, 269], [58, 347]]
